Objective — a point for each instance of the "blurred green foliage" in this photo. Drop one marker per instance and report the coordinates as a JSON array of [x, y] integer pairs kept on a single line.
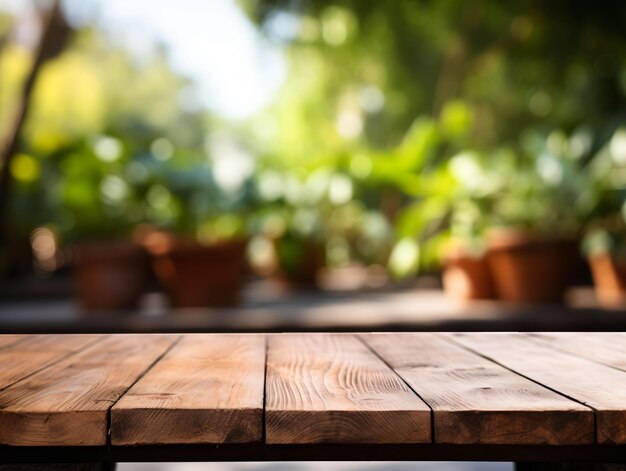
[[516, 63], [547, 183], [491, 82], [103, 132], [321, 208], [401, 126]]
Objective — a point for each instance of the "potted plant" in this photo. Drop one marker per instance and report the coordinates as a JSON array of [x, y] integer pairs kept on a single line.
[[291, 220], [466, 274], [505, 223], [198, 248], [537, 217], [444, 220], [110, 267], [605, 236], [446, 224], [441, 225], [605, 246], [300, 259], [530, 266], [110, 275], [314, 219], [206, 270]]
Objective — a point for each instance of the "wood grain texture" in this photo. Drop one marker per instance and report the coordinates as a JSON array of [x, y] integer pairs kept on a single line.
[[67, 403], [323, 388], [35, 352], [603, 347], [601, 387], [207, 389], [476, 401], [7, 340]]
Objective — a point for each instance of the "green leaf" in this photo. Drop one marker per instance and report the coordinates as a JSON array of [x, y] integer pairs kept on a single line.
[[404, 258]]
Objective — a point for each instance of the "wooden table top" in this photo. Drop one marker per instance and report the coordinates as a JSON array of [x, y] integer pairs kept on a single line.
[[549, 389]]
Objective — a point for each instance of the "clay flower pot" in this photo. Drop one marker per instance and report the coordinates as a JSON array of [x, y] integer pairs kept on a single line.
[[197, 275], [609, 277], [531, 268], [466, 276], [110, 276]]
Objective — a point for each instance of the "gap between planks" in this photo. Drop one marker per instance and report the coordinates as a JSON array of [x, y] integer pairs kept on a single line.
[[331, 388], [361, 339], [34, 349], [208, 389], [477, 401], [264, 420], [449, 337], [67, 403], [608, 349], [596, 385], [157, 359]]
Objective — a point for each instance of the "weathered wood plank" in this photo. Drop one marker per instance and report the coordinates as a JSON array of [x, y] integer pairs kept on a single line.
[[35, 352], [67, 403], [207, 389], [323, 388], [476, 401], [603, 347], [601, 387], [7, 340]]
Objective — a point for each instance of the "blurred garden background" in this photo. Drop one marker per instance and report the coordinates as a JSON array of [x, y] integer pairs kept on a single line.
[[188, 147]]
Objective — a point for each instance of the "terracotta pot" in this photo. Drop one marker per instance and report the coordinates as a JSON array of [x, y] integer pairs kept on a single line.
[[529, 268], [300, 268], [110, 276], [466, 277], [609, 277], [196, 275]]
